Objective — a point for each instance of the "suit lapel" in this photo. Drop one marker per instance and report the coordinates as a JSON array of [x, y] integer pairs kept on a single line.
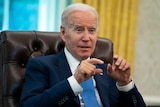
[[65, 71], [63, 66], [102, 85]]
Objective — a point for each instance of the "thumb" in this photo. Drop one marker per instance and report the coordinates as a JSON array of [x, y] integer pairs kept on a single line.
[[109, 68]]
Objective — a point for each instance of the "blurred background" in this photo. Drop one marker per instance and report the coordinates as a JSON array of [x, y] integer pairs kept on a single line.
[[132, 25]]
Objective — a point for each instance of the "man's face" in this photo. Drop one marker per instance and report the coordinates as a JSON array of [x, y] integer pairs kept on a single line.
[[81, 35]]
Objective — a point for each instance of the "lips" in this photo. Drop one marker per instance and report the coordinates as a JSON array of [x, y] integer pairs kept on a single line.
[[84, 46]]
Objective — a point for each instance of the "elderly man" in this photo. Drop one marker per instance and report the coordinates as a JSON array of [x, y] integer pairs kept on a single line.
[[60, 80]]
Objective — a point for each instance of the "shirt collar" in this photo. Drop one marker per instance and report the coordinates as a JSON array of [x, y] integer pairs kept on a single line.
[[72, 61]]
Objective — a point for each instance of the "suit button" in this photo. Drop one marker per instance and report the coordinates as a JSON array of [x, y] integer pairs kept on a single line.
[[63, 100], [134, 100]]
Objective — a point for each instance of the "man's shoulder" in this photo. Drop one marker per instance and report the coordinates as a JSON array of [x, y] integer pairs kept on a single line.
[[49, 58]]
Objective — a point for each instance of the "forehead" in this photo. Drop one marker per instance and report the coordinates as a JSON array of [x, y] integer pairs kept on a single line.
[[82, 18]]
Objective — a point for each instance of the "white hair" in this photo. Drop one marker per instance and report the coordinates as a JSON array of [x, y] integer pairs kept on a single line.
[[73, 7]]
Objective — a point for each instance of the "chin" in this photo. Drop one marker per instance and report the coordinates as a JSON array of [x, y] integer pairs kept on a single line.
[[85, 57]]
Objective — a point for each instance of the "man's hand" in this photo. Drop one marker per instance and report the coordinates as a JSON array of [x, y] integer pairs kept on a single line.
[[86, 69], [120, 70]]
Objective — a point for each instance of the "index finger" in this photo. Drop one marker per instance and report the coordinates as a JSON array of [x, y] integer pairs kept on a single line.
[[95, 61]]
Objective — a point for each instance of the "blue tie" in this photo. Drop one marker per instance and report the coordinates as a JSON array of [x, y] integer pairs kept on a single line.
[[88, 94]]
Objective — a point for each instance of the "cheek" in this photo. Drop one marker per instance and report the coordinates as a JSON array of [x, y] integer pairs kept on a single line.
[[94, 39], [71, 42]]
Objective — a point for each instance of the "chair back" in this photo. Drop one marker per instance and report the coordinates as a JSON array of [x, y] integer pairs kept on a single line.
[[17, 47]]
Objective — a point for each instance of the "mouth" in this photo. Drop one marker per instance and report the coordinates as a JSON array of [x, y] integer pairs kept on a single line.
[[84, 47]]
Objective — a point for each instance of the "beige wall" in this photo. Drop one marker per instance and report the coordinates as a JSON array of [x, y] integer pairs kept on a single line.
[[147, 54]]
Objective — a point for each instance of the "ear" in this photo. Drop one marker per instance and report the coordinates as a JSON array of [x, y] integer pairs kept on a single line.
[[63, 33]]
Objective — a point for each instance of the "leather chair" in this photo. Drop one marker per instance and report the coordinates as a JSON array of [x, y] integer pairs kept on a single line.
[[17, 47]]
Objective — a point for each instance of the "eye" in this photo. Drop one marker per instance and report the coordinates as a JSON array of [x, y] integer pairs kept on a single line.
[[92, 30], [79, 29]]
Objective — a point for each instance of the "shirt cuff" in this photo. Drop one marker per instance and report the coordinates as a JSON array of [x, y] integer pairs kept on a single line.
[[76, 87], [125, 88]]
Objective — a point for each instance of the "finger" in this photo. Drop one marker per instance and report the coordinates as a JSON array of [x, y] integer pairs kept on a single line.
[[122, 64], [115, 57], [92, 70], [117, 60], [87, 68], [126, 67], [95, 61], [98, 71], [109, 68]]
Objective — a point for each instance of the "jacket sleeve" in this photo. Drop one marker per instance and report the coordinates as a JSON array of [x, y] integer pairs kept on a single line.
[[37, 92], [131, 99]]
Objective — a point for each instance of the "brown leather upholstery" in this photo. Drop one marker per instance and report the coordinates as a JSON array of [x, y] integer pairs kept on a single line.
[[17, 47]]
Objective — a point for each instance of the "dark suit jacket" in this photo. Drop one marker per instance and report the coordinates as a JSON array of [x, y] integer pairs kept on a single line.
[[46, 85]]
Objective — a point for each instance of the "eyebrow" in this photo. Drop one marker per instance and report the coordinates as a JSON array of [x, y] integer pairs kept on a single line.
[[78, 25]]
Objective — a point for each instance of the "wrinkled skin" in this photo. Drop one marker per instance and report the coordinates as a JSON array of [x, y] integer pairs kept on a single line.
[[80, 39]]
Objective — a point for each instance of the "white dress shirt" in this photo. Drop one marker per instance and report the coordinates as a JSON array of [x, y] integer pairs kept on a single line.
[[76, 87]]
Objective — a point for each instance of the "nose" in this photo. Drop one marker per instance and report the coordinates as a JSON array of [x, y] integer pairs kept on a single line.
[[86, 36]]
